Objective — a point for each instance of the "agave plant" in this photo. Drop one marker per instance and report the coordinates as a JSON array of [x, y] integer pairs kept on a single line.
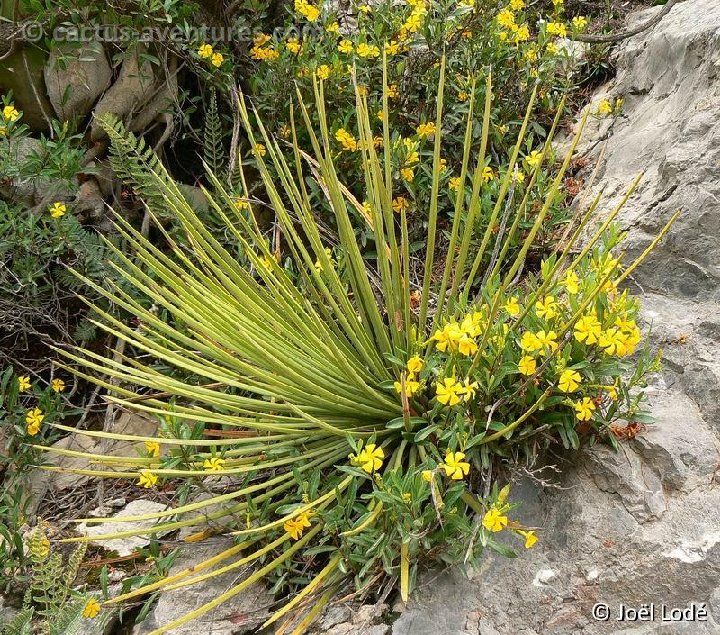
[[360, 411]]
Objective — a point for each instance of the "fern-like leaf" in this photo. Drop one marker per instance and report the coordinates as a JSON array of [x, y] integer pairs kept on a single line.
[[213, 149], [21, 624]]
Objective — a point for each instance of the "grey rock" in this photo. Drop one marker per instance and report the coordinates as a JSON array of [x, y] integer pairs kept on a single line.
[[624, 474], [241, 614], [30, 192], [7, 612], [75, 77], [669, 80], [126, 545], [135, 86], [680, 447]]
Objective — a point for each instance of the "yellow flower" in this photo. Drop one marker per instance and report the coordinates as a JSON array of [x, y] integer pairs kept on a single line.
[[463, 96], [23, 383], [412, 24], [346, 139], [392, 48], [547, 341], [455, 183], [467, 345], [269, 53], [584, 409], [569, 380], [333, 27], [323, 71], [293, 46], [10, 113], [611, 391], [365, 8], [92, 609], [571, 282], [368, 50], [425, 130], [260, 149], [408, 174], [261, 39], [530, 538], [488, 174], [427, 475], [468, 389], [57, 210], [454, 465], [147, 479], [516, 5], [214, 464], [612, 341], [345, 46], [411, 386], [370, 458], [494, 520], [392, 91], [530, 342], [415, 364], [267, 263], [3, 130], [309, 11], [512, 307], [328, 253], [520, 176], [552, 48], [522, 34], [34, 419], [557, 28], [399, 204], [152, 448], [579, 22], [506, 19], [448, 337], [546, 308], [58, 385], [205, 51], [217, 60], [527, 365], [534, 159], [448, 392], [604, 107], [471, 325], [588, 329], [296, 526]]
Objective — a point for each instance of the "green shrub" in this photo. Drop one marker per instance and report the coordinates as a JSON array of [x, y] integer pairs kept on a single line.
[[348, 49], [358, 411], [26, 409], [52, 606]]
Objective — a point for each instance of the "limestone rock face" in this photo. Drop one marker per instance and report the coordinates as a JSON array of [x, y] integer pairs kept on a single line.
[[641, 525]]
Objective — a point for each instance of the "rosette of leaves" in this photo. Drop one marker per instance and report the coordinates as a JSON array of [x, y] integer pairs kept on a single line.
[[273, 381]]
